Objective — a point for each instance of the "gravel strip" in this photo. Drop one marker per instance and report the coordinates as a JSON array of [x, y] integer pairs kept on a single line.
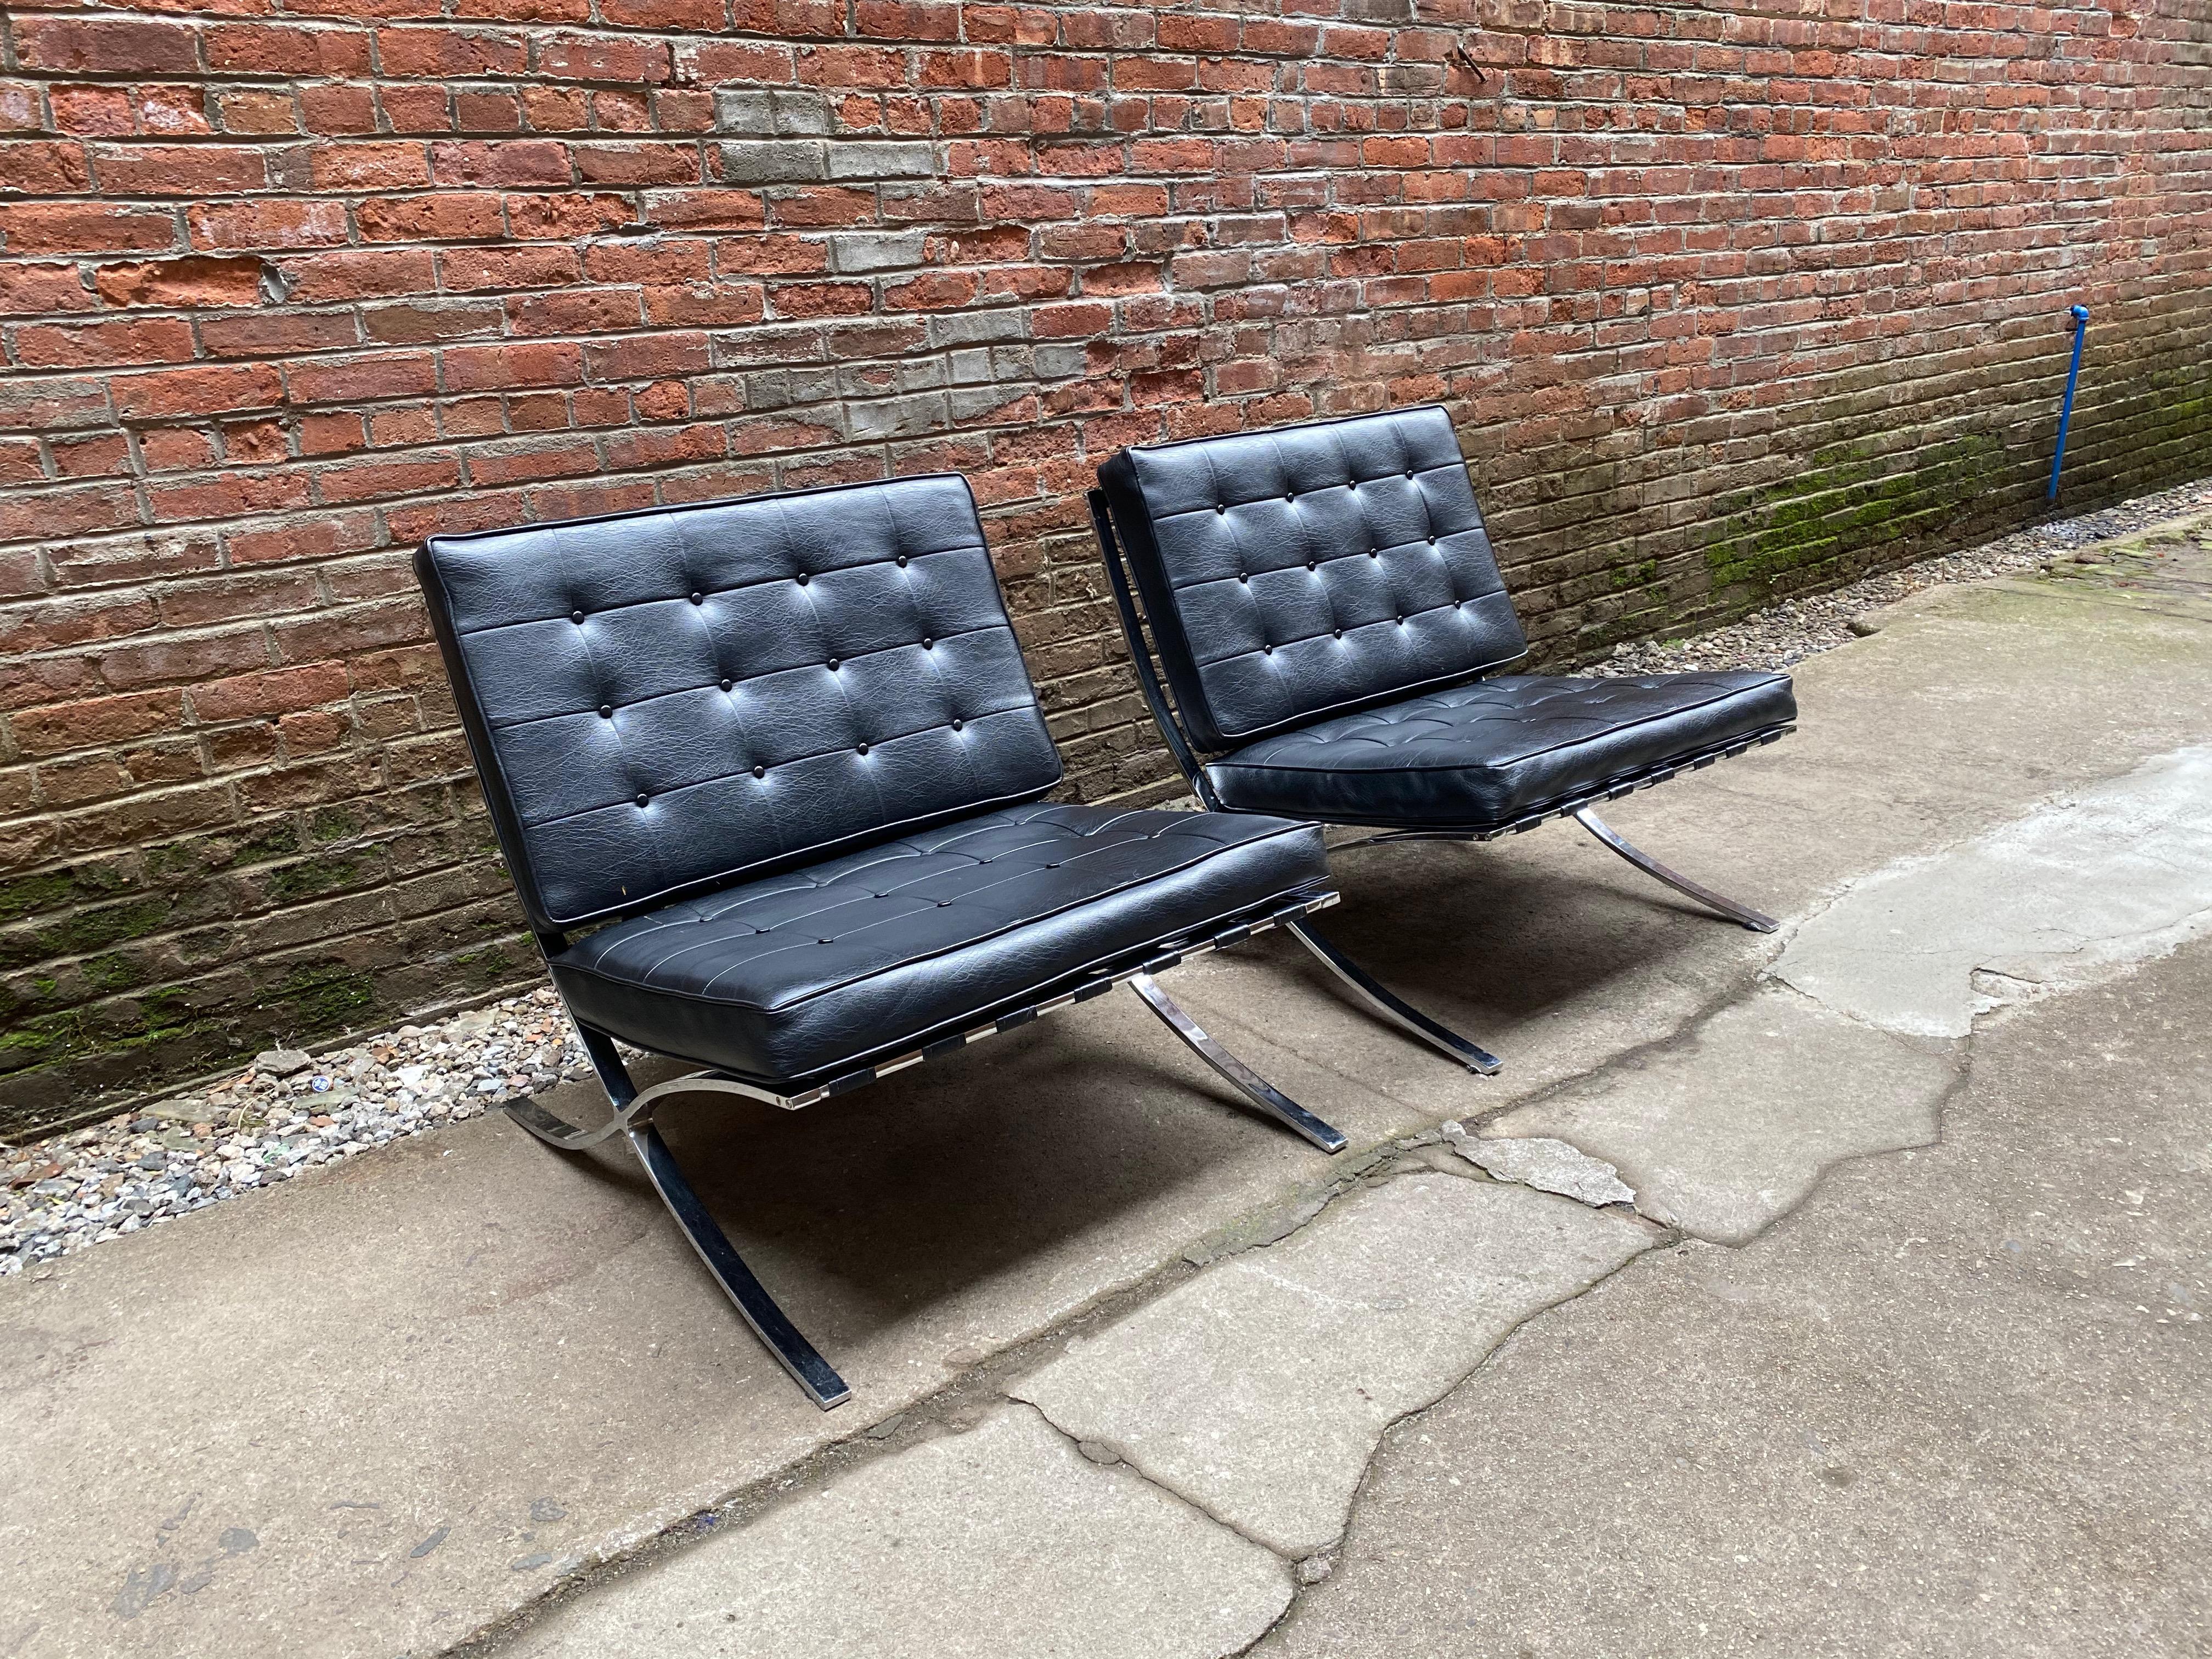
[[287, 1112], [291, 1111], [1796, 628]]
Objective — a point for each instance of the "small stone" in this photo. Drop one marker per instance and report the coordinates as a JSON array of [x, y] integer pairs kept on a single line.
[[887, 1428], [1865, 624], [1549, 1166], [283, 1062], [1316, 1567]]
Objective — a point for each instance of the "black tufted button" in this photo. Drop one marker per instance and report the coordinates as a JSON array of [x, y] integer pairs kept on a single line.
[[1374, 553], [1432, 541], [902, 561], [577, 617], [1409, 472], [863, 749], [1313, 564], [1336, 633], [832, 665], [606, 711], [727, 684], [1267, 650], [643, 799], [698, 598], [956, 725], [802, 575], [1289, 494], [760, 771], [1401, 622], [1244, 577], [1220, 508], [929, 645]]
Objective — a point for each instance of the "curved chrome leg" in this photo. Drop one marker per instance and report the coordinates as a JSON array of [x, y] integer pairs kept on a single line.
[[633, 1112], [557, 1132], [1385, 1003], [792, 1352], [1650, 867], [1262, 1093]]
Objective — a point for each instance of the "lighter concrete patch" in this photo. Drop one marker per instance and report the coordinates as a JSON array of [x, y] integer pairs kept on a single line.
[[1722, 1133], [1003, 1543], [1259, 1389], [2068, 893], [1548, 1165]]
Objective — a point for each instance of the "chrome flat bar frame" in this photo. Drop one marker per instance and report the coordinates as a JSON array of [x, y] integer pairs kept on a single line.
[[1256, 1088], [814, 1375], [1743, 914], [1391, 1006]]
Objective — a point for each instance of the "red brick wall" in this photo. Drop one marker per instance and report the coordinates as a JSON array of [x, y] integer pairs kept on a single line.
[[1727, 299]]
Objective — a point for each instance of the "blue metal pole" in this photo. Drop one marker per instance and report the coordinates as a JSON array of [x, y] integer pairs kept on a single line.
[[2080, 316]]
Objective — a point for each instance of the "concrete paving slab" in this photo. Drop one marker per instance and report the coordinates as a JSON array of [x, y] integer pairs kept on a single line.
[[1959, 1403], [1259, 1389], [1732, 1124], [1002, 1543], [2103, 876]]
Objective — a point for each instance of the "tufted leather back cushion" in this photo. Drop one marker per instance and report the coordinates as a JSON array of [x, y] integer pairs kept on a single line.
[[664, 701], [1305, 571]]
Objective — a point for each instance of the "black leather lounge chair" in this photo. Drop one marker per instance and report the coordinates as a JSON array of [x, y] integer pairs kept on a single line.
[[1324, 602], [767, 774]]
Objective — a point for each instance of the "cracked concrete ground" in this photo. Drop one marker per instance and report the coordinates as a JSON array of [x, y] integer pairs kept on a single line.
[[504, 1409]]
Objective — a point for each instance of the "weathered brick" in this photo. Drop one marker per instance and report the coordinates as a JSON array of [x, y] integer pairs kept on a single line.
[[191, 282], [84, 227], [102, 47], [266, 224], [97, 721]]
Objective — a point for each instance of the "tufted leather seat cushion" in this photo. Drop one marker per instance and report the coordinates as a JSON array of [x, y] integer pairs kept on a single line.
[[668, 700], [796, 974], [1485, 754], [1303, 572]]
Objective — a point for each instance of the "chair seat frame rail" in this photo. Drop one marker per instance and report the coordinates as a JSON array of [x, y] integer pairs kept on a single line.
[[1582, 808], [634, 1110]]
